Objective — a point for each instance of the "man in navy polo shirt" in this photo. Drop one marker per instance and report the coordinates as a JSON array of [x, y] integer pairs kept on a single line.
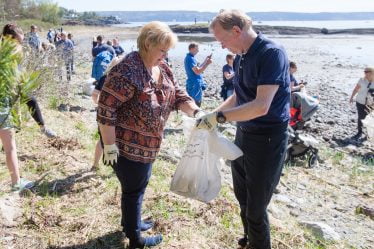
[[260, 105], [195, 84]]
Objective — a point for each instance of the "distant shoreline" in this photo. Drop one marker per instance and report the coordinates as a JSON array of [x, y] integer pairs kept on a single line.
[[277, 30]]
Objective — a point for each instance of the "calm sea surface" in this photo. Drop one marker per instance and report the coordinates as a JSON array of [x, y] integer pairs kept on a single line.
[[349, 47]]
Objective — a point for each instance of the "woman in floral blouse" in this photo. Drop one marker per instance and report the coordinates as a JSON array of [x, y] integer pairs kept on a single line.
[[137, 97]]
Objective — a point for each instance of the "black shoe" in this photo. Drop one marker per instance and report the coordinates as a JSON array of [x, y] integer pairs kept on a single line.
[[357, 136], [243, 242], [145, 242]]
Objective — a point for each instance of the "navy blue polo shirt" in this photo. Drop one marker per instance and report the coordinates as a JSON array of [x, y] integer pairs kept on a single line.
[[227, 83], [265, 63]]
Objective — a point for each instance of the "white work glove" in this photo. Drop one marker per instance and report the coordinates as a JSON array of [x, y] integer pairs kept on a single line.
[[199, 113], [110, 154], [207, 122]]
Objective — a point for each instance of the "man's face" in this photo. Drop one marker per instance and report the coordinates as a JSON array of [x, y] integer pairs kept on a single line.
[[228, 38], [293, 69], [194, 50]]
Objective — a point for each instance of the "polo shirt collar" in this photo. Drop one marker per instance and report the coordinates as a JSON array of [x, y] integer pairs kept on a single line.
[[256, 44]]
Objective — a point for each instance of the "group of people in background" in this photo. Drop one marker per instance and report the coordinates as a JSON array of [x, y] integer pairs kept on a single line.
[[136, 94], [59, 41]]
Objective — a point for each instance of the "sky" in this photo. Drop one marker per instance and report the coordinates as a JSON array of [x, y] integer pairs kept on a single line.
[[216, 5]]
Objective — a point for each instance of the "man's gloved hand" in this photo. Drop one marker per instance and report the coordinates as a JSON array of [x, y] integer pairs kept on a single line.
[[110, 155], [208, 121]]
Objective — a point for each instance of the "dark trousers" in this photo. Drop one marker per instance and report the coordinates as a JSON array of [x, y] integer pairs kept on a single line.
[[255, 176], [134, 177], [69, 66], [362, 111], [34, 109], [72, 64]]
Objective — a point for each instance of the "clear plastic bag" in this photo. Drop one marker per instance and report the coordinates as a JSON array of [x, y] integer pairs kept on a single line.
[[198, 172]]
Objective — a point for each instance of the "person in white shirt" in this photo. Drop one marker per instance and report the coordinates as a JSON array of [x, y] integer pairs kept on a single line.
[[363, 89]]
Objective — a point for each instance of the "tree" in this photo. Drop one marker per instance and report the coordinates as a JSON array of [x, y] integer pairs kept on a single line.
[[15, 84], [49, 11]]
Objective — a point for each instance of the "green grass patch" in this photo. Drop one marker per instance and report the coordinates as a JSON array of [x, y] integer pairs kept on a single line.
[[54, 102], [81, 126]]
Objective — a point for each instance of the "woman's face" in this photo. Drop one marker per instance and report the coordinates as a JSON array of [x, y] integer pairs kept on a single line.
[[369, 74], [157, 54]]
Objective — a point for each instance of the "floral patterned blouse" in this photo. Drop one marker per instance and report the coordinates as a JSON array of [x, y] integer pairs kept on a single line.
[[138, 107]]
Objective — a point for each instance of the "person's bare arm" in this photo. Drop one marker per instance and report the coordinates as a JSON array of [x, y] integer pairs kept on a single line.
[[228, 75], [95, 96], [298, 87], [229, 103], [189, 108], [108, 133], [354, 92], [199, 70], [256, 108]]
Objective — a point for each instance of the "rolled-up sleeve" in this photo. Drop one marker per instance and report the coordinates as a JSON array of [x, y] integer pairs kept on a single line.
[[117, 90]]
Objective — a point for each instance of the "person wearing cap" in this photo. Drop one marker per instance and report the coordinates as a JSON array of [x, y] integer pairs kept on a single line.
[[364, 90]]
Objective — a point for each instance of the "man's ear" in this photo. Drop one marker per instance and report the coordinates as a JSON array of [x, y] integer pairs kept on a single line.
[[236, 30]]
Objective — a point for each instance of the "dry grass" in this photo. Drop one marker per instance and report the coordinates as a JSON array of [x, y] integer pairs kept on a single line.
[[73, 207]]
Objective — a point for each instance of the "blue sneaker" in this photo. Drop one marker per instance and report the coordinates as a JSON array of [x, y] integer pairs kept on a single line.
[[146, 225], [143, 242], [22, 185]]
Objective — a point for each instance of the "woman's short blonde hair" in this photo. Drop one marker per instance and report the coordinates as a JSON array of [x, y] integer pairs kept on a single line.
[[369, 69], [230, 18], [155, 34]]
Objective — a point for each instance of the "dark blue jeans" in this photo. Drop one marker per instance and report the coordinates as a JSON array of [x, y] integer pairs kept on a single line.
[[134, 177], [255, 176]]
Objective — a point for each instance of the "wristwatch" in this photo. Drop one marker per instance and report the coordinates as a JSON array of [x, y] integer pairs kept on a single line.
[[220, 117]]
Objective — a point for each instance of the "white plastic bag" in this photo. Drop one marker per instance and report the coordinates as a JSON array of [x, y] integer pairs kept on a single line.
[[88, 87], [369, 124], [222, 147], [198, 172]]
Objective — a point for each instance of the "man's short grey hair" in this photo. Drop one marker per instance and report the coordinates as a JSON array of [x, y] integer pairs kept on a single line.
[[230, 18]]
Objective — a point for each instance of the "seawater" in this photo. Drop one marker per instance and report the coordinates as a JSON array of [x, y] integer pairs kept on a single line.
[[350, 48], [340, 24]]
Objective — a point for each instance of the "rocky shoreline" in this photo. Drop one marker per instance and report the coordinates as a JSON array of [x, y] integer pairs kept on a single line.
[[279, 30]]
